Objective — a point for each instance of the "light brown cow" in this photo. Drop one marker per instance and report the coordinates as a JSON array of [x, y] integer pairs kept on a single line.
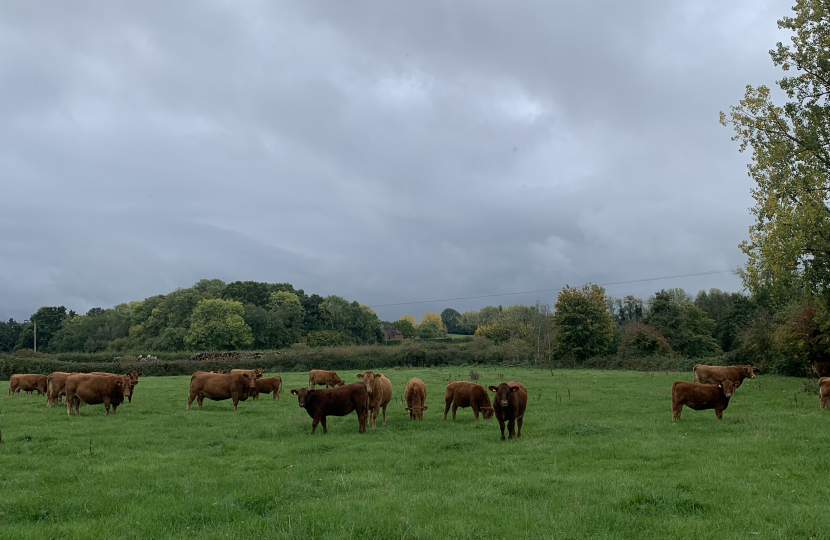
[[256, 373], [466, 394], [96, 388], [266, 385], [700, 397], [27, 383], [379, 389], [415, 395], [321, 376], [133, 375], [823, 392], [56, 387], [220, 386], [717, 374]]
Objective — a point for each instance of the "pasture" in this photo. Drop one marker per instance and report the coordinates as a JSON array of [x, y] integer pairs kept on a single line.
[[599, 458]]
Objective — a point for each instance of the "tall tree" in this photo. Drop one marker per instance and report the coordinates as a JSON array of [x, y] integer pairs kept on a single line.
[[584, 327], [789, 244], [452, 321], [218, 324]]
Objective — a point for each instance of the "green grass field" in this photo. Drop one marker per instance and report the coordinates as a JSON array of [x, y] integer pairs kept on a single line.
[[599, 458]]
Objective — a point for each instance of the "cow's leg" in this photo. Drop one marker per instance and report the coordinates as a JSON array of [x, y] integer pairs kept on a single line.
[[676, 409], [501, 426], [314, 421], [822, 402], [190, 399], [323, 421], [447, 407], [454, 408], [68, 406], [519, 423], [511, 428], [199, 400], [275, 396], [475, 412], [235, 401], [384, 415], [114, 407], [76, 401], [130, 398], [361, 421], [107, 405], [719, 413]]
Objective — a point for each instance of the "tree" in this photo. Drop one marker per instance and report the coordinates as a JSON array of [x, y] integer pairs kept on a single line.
[[49, 320], [431, 326], [584, 327], [9, 335], [452, 321], [404, 326], [410, 319], [638, 340], [218, 325], [789, 244], [684, 325]]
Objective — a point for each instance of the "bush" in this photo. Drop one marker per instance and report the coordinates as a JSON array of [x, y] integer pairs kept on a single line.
[[30, 353]]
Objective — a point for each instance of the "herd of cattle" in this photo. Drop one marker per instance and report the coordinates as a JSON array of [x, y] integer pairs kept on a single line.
[[713, 388]]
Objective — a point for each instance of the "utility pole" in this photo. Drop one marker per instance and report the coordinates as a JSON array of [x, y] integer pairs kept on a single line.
[[33, 321]]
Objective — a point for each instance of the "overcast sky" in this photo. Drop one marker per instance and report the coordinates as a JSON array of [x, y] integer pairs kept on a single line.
[[381, 151]]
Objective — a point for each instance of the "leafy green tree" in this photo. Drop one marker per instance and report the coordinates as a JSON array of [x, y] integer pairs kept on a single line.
[[431, 326], [789, 244], [684, 325], [405, 327], [49, 319], [325, 338], [452, 321], [584, 327], [9, 335], [639, 340], [626, 310], [218, 325]]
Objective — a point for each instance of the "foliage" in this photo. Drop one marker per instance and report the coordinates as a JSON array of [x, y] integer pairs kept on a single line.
[[325, 338], [584, 327], [639, 340], [431, 326], [405, 327], [684, 325], [218, 325], [452, 321], [789, 244]]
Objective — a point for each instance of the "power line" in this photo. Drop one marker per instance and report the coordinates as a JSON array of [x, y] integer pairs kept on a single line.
[[554, 289]]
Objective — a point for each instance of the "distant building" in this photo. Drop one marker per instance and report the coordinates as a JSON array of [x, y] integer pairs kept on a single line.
[[393, 334]]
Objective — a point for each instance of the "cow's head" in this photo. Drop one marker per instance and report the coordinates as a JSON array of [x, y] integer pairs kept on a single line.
[[250, 381], [487, 412], [258, 372], [416, 413], [750, 371], [369, 380], [303, 395], [728, 388], [503, 392]]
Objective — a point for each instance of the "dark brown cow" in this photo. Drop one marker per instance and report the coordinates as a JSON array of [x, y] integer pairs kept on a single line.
[[717, 374], [56, 387], [700, 397], [416, 398], [466, 394], [27, 383], [220, 386], [334, 402], [509, 405], [95, 388], [379, 389], [266, 385], [823, 392], [820, 369], [323, 377]]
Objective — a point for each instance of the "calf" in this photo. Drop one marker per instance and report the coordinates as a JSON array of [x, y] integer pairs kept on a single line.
[[820, 369], [416, 398], [95, 388], [717, 374], [334, 402], [699, 397], [267, 385], [823, 392], [466, 394], [27, 383], [321, 376], [509, 405], [56, 387], [220, 386], [379, 389]]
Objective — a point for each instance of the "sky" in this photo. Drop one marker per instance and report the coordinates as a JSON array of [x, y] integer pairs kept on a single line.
[[386, 152]]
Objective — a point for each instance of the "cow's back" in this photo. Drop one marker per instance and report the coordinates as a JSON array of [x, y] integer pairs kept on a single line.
[[415, 393]]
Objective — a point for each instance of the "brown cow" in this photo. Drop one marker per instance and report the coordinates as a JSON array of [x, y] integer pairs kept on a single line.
[[379, 389], [95, 388], [267, 385], [509, 404], [321, 376], [219, 386], [27, 383], [133, 375], [257, 373], [823, 392], [820, 369], [416, 398], [466, 394], [700, 397], [56, 387], [717, 374], [220, 371], [334, 402]]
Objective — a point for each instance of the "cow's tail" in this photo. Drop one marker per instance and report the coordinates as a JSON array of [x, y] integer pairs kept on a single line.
[[48, 392], [279, 389], [694, 371]]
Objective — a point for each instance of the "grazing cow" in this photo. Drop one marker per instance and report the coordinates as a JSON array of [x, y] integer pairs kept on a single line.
[[379, 389], [466, 394], [266, 385], [56, 387], [699, 397], [219, 386], [338, 401], [717, 374], [509, 405], [95, 388], [27, 383], [321, 376], [823, 392], [256, 373], [416, 398], [820, 369]]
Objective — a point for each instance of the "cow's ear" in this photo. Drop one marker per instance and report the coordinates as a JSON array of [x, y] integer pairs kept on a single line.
[[720, 386], [359, 375], [294, 391], [514, 388], [493, 388], [246, 375], [140, 374], [408, 409], [425, 408]]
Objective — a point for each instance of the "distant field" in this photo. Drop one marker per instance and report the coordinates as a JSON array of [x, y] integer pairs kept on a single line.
[[600, 458]]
